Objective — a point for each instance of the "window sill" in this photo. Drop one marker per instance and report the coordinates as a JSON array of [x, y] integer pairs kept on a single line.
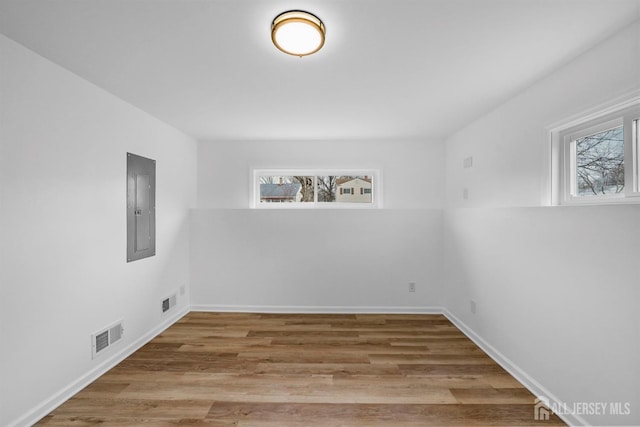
[[624, 200]]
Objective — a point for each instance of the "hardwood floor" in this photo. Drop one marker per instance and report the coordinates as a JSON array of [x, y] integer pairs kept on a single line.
[[220, 369]]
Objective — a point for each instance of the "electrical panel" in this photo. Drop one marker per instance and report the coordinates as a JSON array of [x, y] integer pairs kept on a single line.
[[141, 207]]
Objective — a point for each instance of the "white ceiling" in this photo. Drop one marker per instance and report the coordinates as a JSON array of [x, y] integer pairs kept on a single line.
[[390, 69]]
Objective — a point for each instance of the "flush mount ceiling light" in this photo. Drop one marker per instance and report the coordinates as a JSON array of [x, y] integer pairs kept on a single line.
[[297, 33]]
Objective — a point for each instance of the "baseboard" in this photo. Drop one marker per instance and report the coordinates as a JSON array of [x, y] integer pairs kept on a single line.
[[526, 380], [63, 395], [514, 370], [306, 309]]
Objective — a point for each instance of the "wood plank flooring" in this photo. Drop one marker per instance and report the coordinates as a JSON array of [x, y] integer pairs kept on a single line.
[[236, 369]]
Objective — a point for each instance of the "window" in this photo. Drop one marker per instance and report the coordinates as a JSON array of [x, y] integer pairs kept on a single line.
[[315, 189], [285, 189], [599, 163], [597, 158]]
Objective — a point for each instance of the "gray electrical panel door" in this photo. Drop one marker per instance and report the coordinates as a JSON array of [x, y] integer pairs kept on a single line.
[[141, 207]]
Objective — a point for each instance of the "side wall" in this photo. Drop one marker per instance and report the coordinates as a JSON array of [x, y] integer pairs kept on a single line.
[[556, 288], [318, 260], [63, 272]]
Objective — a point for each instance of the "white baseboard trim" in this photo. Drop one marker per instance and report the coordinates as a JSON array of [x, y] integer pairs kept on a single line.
[[514, 370], [306, 309], [63, 395], [67, 392]]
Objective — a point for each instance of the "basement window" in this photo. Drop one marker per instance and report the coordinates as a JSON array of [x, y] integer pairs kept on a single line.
[[293, 189], [597, 159]]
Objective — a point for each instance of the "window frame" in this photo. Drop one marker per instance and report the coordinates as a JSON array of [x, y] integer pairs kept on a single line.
[[376, 192], [563, 162]]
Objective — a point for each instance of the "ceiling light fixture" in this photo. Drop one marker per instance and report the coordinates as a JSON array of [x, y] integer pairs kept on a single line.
[[297, 33]]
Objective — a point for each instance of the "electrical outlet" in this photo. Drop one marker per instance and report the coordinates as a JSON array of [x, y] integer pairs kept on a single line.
[[465, 194], [168, 303], [182, 290], [472, 306], [468, 162], [412, 286]]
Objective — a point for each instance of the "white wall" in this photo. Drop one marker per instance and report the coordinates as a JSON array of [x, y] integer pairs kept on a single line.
[[412, 171], [556, 287], [342, 260], [318, 259], [510, 146], [63, 272]]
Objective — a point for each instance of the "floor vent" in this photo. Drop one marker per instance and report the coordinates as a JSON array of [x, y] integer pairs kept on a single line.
[[105, 338], [168, 303]]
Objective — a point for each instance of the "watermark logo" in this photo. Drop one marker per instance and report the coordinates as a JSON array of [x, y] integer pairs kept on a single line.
[[541, 411], [543, 408]]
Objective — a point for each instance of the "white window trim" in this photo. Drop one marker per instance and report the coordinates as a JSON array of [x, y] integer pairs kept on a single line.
[[562, 171], [376, 192]]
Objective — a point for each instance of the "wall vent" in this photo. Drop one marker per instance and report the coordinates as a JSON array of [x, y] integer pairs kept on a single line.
[[106, 337], [168, 303]]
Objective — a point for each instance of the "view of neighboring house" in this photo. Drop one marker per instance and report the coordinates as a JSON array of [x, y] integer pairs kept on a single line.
[[353, 189], [280, 193]]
